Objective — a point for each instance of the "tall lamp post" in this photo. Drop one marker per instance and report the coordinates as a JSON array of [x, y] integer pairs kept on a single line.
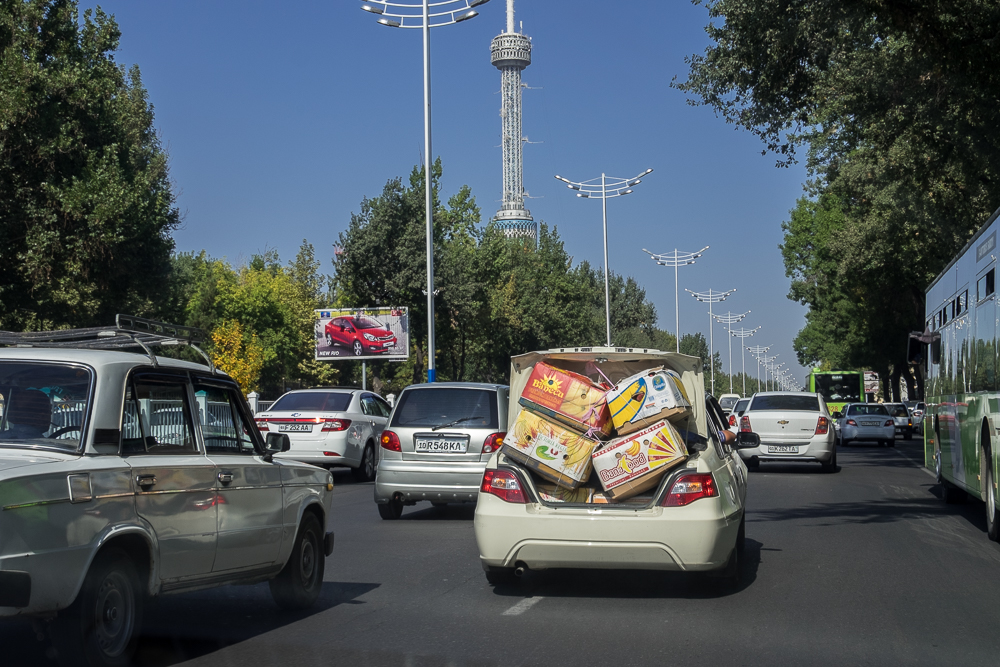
[[426, 14], [676, 258], [743, 334], [757, 351], [730, 319], [604, 189], [774, 372], [711, 297]]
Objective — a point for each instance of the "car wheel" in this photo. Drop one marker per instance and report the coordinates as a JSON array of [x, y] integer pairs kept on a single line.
[[329, 340], [101, 627], [391, 510], [299, 583], [992, 517], [366, 471], [741, 535], [500, 576], [831, 465], [358, 350], [729, 575], [752, 463]]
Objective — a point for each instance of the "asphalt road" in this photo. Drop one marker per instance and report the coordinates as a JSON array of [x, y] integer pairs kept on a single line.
[[864, 567]]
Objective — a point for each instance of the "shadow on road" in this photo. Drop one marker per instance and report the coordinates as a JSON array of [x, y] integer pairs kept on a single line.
[[183, 627], [626, 584]]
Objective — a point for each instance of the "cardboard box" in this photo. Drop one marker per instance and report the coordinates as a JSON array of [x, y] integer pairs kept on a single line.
[[568, 398], [646, 398], [629, 465], [554, 452]]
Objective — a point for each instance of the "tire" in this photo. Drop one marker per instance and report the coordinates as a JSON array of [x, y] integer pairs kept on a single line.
[[729, 575], [992, 515], [329, 340], [500, 576], [366, 471], [752, 463], [831, 465], [844, 443], [299, 583], [741, 535], [392, 510], [358, 349], [101, 627], [891, 443]]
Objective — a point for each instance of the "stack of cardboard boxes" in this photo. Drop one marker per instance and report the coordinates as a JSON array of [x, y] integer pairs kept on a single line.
[[573, 428]]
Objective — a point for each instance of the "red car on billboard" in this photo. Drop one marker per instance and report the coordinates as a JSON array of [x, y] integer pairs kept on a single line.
[[361, 334]]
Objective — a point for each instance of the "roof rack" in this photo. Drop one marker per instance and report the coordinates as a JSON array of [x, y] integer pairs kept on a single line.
[[128, 332]]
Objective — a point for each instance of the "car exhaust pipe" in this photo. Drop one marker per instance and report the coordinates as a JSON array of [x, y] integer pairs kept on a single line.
[[520, 569]]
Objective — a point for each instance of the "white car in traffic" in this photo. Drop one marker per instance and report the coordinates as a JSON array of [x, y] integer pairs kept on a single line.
[[793, 426]]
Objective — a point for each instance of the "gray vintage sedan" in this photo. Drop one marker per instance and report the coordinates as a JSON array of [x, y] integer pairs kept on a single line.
[[125, 475]]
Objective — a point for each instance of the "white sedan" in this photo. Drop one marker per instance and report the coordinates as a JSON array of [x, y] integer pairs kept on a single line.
[[793, 426]]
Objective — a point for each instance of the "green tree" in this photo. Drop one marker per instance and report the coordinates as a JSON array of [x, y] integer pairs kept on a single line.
[[85, 199]]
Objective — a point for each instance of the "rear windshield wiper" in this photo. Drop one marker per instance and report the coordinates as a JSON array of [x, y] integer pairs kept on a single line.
[[457, 421]]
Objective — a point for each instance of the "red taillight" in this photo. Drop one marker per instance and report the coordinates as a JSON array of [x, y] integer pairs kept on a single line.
[[851, 422], [390, 441], [262, 424], [332, 453], [889, 423], [822, 426], [745, 424], [330, 425], [732, 420], [504, 485], [689, 488], [493, 442]]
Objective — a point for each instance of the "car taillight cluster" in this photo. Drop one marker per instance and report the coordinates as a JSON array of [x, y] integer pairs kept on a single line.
[[504, 485], [262, 424], [889, 422], [732, 420], [851, 422], [330, 425], [689, 488], [745, 424], [493, 443], [822, 426], [390, 441]]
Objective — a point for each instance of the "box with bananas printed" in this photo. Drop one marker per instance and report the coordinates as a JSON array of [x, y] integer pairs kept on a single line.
[[568, 398], [629, 465], [646, 398], [554, 452]]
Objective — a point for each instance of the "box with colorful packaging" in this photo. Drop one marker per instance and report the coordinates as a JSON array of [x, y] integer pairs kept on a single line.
[[569, 398], [556, 453], [629, 465], [646, 398]]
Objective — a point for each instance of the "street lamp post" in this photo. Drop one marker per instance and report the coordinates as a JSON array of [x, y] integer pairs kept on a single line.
[[711, 297], [676, 258], [757, 351], [743, 334], [426, 14], [730, 319], [606, 189]]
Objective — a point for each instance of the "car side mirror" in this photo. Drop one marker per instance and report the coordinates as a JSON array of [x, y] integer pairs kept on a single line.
[[278, 443], [747, 440]]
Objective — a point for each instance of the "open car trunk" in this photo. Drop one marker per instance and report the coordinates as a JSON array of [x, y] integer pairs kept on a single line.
[[614, 365]]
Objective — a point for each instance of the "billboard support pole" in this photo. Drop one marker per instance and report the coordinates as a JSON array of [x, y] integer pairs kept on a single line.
[[364, 376]]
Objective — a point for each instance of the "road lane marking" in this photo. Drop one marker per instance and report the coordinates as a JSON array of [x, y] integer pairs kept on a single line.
[[523, 606]]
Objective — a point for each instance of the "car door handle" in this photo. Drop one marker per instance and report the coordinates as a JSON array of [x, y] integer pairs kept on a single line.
[[145, 481], [226, 477]]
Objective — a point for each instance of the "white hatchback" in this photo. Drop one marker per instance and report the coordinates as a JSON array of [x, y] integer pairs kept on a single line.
[[692, 521], [793, 426]]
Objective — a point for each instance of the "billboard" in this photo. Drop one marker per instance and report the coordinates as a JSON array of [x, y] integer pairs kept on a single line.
[[362, 333]]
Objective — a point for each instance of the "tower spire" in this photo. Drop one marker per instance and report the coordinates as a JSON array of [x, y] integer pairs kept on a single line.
[[510, 53]]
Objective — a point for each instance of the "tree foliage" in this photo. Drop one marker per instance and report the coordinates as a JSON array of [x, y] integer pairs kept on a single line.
[[239, 355], [86, 207]]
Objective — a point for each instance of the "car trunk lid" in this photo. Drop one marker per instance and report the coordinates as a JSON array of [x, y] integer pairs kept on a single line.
[[781, 425]]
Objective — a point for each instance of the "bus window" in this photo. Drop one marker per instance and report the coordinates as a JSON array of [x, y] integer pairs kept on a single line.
[[986, 285]]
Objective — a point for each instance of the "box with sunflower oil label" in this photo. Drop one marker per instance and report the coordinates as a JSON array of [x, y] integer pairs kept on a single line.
[[629, 465], [556, 453], [569, 398], [646, 398]]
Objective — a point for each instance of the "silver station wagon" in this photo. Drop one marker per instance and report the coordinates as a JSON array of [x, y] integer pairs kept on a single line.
[[125, 475]]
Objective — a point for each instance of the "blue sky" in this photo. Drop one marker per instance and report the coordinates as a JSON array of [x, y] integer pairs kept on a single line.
[[280, 117]]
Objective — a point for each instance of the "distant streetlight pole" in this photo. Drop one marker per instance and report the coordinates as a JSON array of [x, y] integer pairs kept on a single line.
[[605, 190], [730, 319], [426, 14], [757, 351], [711, 297], [676, 258], [743, 334]]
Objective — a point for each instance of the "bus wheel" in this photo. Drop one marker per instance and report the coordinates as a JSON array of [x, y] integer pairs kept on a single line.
[[992, 519]]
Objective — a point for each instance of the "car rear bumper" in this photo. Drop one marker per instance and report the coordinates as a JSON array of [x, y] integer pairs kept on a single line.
[[808, 450], [867, 433], [424, 480], [693, 538]]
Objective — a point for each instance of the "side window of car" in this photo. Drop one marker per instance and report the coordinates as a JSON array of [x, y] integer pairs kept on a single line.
[[384, 409], [368, 406], [222, 426], [157, 418], [715, 421]]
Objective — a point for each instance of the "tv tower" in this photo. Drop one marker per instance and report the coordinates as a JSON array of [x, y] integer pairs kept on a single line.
[[510, 53]]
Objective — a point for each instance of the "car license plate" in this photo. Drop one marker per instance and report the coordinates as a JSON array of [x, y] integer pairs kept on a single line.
[[869, 423], [441, 446], [782, 449], [391, 345], [296, 428]]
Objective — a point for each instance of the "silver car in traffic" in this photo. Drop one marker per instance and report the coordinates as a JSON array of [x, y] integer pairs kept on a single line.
[[439, 438], [868, 422]]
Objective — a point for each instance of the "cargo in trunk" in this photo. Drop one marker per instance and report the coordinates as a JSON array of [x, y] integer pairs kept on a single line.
[[568, 398], [629, 465], [642, 400], [553, 451]]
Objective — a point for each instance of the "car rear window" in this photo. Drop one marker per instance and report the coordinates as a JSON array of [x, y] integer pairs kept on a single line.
[[727, 402], [430, 407], [313, 401], [742, 405], [900, 411], [43, 404], [868, 409], [794, 403]]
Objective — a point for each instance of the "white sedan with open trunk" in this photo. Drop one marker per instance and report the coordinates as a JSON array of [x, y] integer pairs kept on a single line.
[[793, 426]]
